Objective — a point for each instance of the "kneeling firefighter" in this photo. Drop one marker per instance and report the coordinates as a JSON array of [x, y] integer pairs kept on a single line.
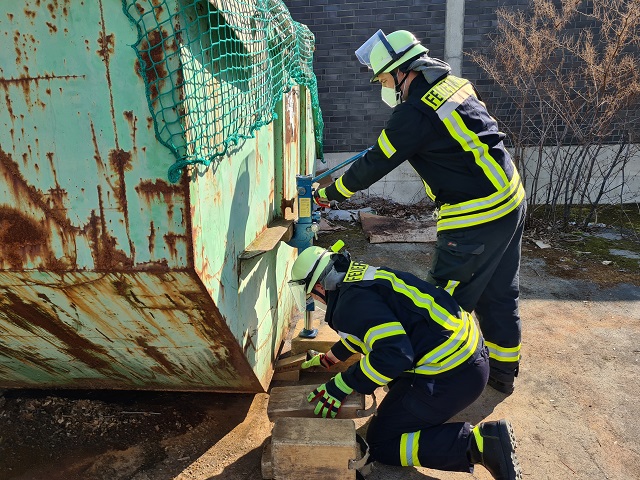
[[417, 341]]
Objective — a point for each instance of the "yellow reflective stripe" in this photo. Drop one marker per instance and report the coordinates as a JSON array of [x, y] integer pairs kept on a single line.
[[355, 341], [503, 354], [409, 443], [373, 375], [427, 189], [478, 436], [420, 299], [349, 347], [470, 142], [456, 358], [383, 331], [449, 346], [344, 191], [451, 286], [483, 203], [385, 145], [483, 217]]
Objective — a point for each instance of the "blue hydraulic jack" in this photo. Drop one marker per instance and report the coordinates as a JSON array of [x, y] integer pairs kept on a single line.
[[307, 225]]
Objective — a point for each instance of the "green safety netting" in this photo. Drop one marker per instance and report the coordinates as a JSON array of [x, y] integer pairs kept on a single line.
[[214, 71]]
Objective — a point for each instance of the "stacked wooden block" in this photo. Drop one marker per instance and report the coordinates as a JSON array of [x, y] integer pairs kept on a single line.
[[303, 446]]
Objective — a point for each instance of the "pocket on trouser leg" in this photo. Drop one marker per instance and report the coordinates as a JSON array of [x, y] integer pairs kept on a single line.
[[454, 260]]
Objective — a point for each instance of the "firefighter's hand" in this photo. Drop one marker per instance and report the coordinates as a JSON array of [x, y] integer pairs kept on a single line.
[[330, 396], [317, 359], [320, 198]]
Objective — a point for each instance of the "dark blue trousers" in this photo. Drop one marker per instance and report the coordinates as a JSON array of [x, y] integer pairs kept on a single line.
[[480, 267], [422, 404]]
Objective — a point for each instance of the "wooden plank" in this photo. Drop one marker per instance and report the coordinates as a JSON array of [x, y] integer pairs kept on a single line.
[[266, 465], [325, 339], [291, 401], [288, 368], [278, 229], [313, 449], [379, 229]]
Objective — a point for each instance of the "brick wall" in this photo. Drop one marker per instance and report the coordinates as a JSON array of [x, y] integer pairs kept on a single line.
[[352, 110], [351, 107]]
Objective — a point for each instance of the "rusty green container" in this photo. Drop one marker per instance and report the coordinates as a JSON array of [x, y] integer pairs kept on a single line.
[[110, 276]]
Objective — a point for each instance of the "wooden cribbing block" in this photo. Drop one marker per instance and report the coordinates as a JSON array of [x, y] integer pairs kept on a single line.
[[322, 342], [266, 468], [313, 449], [289, 368], [292, 402], [325, 339]]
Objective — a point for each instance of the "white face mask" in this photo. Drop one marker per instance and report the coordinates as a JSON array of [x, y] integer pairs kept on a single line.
[[390, 96]]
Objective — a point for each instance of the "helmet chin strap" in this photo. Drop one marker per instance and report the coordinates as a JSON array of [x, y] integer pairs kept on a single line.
[[316, 292], [398, 86]]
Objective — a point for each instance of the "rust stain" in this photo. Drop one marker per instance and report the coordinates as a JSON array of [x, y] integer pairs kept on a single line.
[[52, 10], [18, 234], [132, 120], [171, 239], [14, 176], [96, 150], [106, 43], [206, 322], [28, 356], [120, 162], [52, 28], [49, 156], [25, 83], [106, 255], [157, 9], [152, 52], [160, 189], [152, 239], [29, 14], [33, 317], [157, 355]]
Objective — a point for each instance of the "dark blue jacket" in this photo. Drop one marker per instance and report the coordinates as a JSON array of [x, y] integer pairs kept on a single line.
[[401, 324]]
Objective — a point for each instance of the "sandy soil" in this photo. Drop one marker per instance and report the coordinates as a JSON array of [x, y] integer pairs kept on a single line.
[[575, 409]]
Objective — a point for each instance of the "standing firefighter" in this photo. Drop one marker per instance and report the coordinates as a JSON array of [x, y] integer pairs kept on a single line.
[[443, 128], [416, 340]]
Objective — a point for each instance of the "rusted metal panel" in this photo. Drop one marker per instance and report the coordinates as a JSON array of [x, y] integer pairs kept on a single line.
[[110, 277], [79, 162], [236, 199], [115, 330]]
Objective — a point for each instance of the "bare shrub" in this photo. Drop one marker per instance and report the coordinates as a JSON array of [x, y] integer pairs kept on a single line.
[[570, 70]]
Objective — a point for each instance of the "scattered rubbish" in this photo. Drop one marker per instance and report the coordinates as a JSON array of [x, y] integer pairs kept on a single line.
[[379, 229], [624, 253], [608, 235], [541, 244], [345, 215], [327, 226], [607, 262]]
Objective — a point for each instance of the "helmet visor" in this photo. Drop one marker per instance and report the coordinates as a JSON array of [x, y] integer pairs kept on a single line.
[[364, 52], [298, 291]]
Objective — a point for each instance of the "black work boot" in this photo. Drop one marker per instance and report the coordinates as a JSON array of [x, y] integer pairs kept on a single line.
[[493, 445], [502, 380]]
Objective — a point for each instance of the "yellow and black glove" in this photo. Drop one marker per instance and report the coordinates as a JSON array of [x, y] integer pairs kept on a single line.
[[320, 198], [317, 359], [330, 396]]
